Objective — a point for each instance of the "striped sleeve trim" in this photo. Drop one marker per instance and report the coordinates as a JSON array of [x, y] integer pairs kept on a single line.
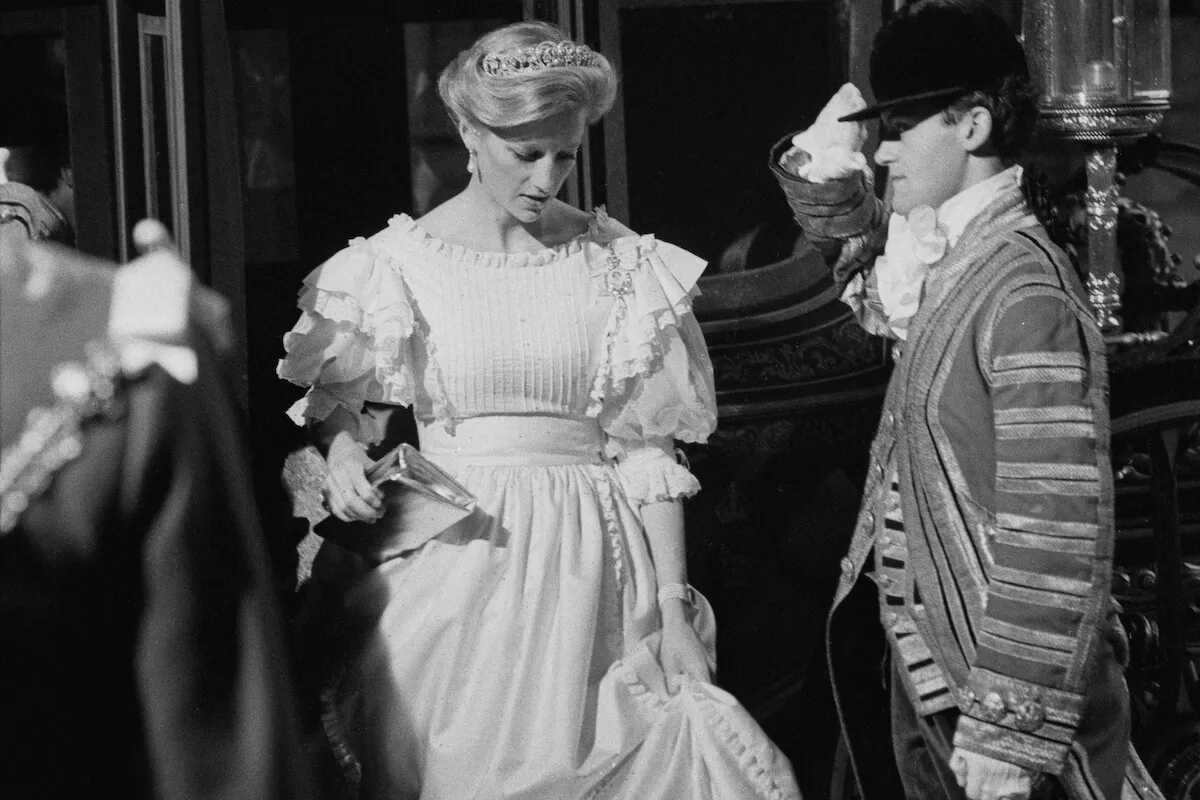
[[1069, 413], [1069, 488], [1050, 583], [1029, 636], [1048, 430], [1041, 597], [1042, 358], [1037, 741], [1013, 377], [1038, 541], [1051, 470], [1051, 731], [1032, 752], [1061, 707], [1048, 527], [1039, 655]]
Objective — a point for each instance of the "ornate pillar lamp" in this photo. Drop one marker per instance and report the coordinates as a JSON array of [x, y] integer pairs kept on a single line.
[[1103, 68]]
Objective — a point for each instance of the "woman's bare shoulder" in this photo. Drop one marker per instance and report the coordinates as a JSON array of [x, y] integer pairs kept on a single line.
[[445, 221], [565, 222]]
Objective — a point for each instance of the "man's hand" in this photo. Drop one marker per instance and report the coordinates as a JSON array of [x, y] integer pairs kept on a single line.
[[987, 778], [828, 132], [829, 149]]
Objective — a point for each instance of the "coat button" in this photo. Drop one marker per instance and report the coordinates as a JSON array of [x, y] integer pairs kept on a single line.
[[890, 418], [1029, 716], [869, 519], [847, 567], [992, 707]]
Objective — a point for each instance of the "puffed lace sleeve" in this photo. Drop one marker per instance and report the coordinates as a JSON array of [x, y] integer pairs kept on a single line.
[[655, 383], [354, 341]]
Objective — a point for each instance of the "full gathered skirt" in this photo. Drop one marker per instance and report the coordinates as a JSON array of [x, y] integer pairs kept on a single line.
[[516, 655]]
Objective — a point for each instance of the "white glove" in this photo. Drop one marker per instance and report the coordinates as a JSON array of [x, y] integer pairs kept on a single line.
[[833, 148], [987, 778]]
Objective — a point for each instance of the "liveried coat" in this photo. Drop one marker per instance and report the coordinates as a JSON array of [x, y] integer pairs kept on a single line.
[[996, 421], [144, 652]]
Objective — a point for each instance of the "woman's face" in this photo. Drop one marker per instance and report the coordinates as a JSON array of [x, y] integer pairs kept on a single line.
[[525, 167]]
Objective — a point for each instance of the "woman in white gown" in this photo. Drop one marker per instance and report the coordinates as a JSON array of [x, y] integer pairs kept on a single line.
[[550, 647]]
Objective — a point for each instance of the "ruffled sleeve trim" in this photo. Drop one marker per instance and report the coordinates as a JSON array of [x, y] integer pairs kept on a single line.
[[651, 476], [651, 335], [317, 405], [360, 337]]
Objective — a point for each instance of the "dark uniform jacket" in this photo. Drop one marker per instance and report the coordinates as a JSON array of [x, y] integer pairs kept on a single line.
[[996, 420], [142, 654]]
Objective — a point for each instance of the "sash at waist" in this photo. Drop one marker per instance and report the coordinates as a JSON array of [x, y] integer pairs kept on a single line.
[[510, 440]]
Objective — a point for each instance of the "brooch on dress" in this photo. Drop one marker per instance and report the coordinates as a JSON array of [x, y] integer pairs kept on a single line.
[[618, 278]]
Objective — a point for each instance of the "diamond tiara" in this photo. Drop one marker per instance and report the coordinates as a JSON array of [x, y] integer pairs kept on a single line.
[[540, 56]]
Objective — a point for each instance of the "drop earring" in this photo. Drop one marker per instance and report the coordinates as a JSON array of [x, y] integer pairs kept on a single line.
[[471, 161]]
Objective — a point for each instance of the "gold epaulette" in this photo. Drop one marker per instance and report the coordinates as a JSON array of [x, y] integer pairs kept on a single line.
[[53, 436]]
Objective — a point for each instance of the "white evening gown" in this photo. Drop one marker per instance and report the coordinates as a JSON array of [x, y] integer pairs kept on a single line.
[[515, 656]]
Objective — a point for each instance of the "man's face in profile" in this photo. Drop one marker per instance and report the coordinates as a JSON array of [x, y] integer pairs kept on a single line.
[[925, 159]]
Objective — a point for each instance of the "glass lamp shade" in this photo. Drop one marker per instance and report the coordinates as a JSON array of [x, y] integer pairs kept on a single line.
[[1103, 67]]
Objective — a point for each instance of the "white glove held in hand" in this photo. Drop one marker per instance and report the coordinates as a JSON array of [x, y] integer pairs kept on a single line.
[[987, 778], [833, 148]]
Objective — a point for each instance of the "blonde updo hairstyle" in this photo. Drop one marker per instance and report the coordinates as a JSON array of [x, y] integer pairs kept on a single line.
[[497, 102]]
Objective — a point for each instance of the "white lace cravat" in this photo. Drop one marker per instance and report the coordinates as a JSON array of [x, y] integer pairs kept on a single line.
[[920, 240]]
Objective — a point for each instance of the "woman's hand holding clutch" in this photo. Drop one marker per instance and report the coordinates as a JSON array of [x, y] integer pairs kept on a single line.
[[348, 494]]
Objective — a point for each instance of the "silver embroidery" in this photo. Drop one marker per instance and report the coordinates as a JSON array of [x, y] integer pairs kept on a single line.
[[53, 436]]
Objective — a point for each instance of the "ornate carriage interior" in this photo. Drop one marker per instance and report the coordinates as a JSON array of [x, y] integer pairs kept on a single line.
[[267, 136]]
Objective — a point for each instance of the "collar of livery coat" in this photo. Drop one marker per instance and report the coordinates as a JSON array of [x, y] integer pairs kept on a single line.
[[921, 239]]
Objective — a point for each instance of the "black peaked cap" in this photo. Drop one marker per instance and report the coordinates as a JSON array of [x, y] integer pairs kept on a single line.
[[933, 51]]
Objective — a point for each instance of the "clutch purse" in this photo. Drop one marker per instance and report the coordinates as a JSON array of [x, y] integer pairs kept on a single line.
[[420, 501]]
